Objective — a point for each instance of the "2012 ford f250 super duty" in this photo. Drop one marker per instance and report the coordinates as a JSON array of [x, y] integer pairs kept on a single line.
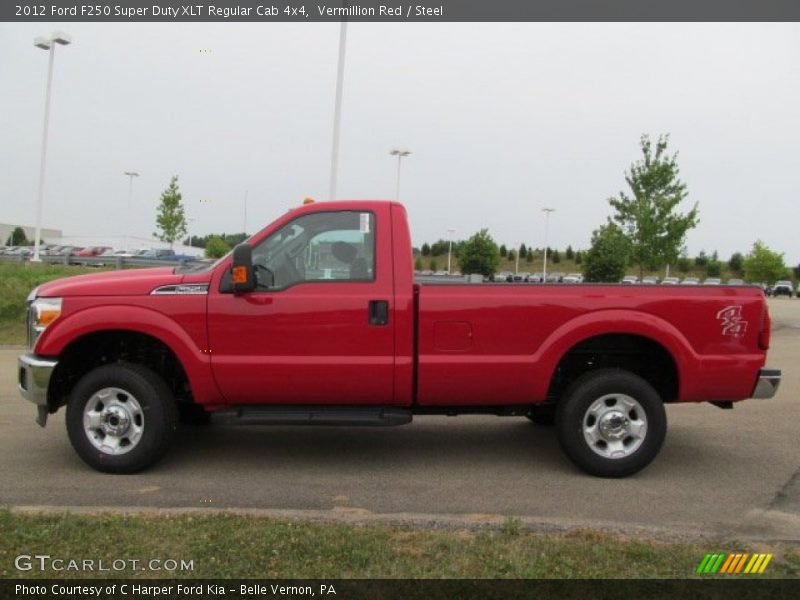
[[317, 320]]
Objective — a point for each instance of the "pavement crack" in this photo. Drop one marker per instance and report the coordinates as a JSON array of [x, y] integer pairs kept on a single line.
[[787, 499]]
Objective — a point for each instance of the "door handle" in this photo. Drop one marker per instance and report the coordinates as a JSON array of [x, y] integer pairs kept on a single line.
[[378, 312]]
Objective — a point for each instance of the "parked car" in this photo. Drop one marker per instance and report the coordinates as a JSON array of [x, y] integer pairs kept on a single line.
[[69, 250], [650, 280], [93, 251], [735, 281], [127, 353], [521, 276], [690, 281], [670, 281], [19, 251], [630, 279], [572, 278], [536, 278], [503, 277], [712, 281], [782, 288]]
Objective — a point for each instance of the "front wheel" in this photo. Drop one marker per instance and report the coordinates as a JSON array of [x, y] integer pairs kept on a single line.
[[121, 418], [611, 423]]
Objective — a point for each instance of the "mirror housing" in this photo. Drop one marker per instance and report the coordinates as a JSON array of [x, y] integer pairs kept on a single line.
[[242, 273]]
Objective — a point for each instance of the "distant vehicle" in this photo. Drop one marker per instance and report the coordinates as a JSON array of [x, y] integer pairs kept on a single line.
[[690, 281], [735, 281], [630, 279], [69, 250], [782, 288], [503, 277], [555, 277], [21, 251], [670, 281], [650, 280], [521, 276], [53, 250], [440, 273], [572, 278], [536, 278], [712, 281], [93, 251]]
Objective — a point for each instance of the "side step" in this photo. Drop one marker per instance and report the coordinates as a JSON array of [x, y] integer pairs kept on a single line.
[[313, 415]]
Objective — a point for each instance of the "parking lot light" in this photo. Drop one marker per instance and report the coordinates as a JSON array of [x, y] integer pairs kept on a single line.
[[546, 212], [131, 175], [49, 44]]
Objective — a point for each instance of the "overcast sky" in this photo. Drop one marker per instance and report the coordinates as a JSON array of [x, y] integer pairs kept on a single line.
[[501, 119]]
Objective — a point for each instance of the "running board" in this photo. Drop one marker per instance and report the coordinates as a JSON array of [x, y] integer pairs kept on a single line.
[[313, 415]]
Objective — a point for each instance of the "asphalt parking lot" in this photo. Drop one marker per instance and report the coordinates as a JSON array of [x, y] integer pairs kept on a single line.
[[721, 472]]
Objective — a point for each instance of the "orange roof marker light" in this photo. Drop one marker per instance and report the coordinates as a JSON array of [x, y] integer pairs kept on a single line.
[[308, 200]]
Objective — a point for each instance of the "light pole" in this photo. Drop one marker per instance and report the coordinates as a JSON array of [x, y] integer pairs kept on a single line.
[[546, 212], [450, 233], [337, 110], [399, 153], [245, 213], [131, 175], [48, 44], [189, 222]]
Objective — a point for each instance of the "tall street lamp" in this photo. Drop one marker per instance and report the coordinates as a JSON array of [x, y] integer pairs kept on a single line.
[[49, 44], [399, 153], [130, 175], [337, 110], [450, 233], [546, 212]]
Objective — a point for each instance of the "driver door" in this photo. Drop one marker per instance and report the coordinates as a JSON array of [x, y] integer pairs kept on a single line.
[[307, 334]]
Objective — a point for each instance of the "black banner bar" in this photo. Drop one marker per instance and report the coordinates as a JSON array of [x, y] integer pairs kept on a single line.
[[398, 11], [728, 588]]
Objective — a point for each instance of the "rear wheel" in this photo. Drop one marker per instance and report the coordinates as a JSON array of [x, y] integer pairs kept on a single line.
[[611, 423], [121, 418]]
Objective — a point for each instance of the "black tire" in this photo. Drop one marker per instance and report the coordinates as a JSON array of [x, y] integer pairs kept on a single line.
[[616, 388], [543, 415], [154, 415]]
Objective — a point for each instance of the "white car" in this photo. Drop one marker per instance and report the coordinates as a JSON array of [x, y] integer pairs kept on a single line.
[[670, 281]]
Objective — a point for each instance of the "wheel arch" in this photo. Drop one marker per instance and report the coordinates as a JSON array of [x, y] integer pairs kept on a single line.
[[638, 342]]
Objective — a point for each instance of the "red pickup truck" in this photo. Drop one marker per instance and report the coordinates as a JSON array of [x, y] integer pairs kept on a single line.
[[317, 320]]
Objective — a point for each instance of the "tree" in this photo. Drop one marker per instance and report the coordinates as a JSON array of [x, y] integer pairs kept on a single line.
[[556, 256], [479, 254], [170, 218], [578, 257], [18, 237], [608, 256], [512, 256], [701, 260], [736, 263], [649, 217], [433, 266], [529, 257], [762, 264], [713, 268], [216, 247], [418, 264], [570, 253], [503, 251], [523, 251], [426, 249], [684, 264]]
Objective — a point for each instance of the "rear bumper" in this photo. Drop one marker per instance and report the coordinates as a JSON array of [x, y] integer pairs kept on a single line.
[[33, 380], [767, 384]]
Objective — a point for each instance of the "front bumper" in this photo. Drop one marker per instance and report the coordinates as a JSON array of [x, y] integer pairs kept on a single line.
[[33, 380], [767, 383]]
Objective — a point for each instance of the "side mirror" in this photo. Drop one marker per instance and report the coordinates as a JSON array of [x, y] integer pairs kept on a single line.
[[242, 274]]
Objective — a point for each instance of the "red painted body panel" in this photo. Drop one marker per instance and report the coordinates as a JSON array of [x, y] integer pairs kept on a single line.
[[478, 345], [519, 334]]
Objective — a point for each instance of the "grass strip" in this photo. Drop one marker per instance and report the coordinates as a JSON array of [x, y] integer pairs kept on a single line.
[[238, 546]]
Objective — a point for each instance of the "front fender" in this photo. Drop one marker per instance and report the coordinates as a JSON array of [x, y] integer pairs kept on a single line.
[[190, 351]]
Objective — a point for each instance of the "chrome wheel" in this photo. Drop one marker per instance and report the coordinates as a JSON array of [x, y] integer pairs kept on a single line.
[[614, 426], [113, 421]]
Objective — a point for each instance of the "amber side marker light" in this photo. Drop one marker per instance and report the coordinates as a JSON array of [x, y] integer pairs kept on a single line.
[[308, 200], [239, 274]]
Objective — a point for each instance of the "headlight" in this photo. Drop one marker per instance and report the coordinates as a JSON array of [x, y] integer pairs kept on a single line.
[[42, 312]]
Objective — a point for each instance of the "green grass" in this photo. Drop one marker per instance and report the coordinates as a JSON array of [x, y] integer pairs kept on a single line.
[[16, 282], [229, 546]]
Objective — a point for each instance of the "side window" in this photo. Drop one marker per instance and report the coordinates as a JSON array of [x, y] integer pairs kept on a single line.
[[325, 246]]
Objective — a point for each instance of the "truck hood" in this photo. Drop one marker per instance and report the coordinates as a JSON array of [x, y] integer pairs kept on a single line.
[[131, 282]]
